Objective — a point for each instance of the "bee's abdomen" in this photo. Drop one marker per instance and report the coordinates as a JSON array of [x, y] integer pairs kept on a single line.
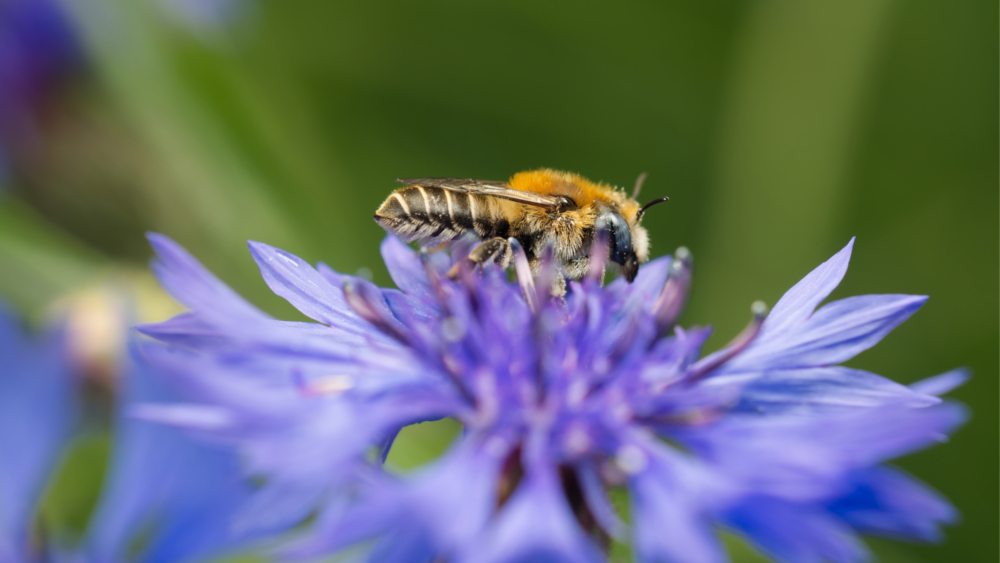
[[434, 215]]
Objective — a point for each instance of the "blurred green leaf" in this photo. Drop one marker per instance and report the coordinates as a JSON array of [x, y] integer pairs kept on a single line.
[[75, 488], [419, 444], [38, 263]]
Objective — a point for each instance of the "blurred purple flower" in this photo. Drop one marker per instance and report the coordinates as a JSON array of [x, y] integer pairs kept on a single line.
[[560, 401], [165, 494], [37, 412], [39, 49], [178, 495]]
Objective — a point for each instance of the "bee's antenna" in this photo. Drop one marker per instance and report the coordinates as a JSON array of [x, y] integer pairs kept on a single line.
[[638, 185], [650, 204]]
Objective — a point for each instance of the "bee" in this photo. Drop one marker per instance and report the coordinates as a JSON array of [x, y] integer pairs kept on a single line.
[[539, 208]]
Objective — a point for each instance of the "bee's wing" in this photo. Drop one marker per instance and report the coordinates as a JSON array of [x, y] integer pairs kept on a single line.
[[485, 187]]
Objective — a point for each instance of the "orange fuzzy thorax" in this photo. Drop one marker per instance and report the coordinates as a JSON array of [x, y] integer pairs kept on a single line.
[[581, 190], [553, 182]]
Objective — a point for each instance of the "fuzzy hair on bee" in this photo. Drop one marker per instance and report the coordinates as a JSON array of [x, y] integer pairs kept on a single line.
[[539, 208]]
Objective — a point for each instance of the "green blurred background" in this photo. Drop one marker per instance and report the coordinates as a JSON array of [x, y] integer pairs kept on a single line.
[[779, 130]]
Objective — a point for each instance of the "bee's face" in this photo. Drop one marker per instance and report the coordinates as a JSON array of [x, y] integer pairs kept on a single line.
[[622, 251]]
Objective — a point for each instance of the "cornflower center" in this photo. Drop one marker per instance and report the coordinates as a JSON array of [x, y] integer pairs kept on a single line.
[[537, 369]]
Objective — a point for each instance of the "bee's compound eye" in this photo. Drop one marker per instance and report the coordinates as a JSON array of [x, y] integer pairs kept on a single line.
[[619, 236], [564, 203]]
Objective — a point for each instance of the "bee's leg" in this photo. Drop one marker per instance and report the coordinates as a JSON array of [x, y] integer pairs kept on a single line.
[[496, 249], [504, 255], [559, 286], [558, 277], [578, 268]]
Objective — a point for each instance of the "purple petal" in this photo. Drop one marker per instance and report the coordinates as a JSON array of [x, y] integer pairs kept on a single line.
[[341, 521], [599, 504], [807, 391], [375, 307], [677, 401], [798, 303], [402, 305], [295, 339], [448, 503], [222, 318], [291, 438], [321, 444], [805, 458], [265, 387], [405, 268], [335, 278], [209, 388], [189, 282], [407, 545], [942, 384], [198, 417], [160, 476], [647, 285], [835, 333], [186, 329], [37, 411], [455, 498], [301, 285], [671, 502], [889, 502], [796, 533], [279, 504], [536, 524]]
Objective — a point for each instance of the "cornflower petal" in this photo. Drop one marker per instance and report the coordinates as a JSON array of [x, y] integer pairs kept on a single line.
[[446, 506], [301, 285], [536, 524], [37, 411], [799, 302], [805, 391], [219, 315], [671, 510], [835, 333], [885, 501], [942, 384], [648, 284], [157, 480], [279, 422], [156, 486], [406, 269], [599, 504], [795, 533], [193, 286], [805, 458]]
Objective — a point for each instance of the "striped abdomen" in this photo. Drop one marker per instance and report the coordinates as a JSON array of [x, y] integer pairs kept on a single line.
[[436, 215]]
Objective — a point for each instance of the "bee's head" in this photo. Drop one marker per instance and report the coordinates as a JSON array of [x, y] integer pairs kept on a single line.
[[620, 246]]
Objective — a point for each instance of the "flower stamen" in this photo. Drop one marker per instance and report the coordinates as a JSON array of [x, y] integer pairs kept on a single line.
[[598, 255], [363, 304], [670, 304], [712, 362], [524, 277]]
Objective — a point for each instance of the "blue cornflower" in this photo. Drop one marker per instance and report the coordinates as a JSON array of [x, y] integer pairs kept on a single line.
[[560, 402], [166, 498], [39, 49], [37, 411]]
